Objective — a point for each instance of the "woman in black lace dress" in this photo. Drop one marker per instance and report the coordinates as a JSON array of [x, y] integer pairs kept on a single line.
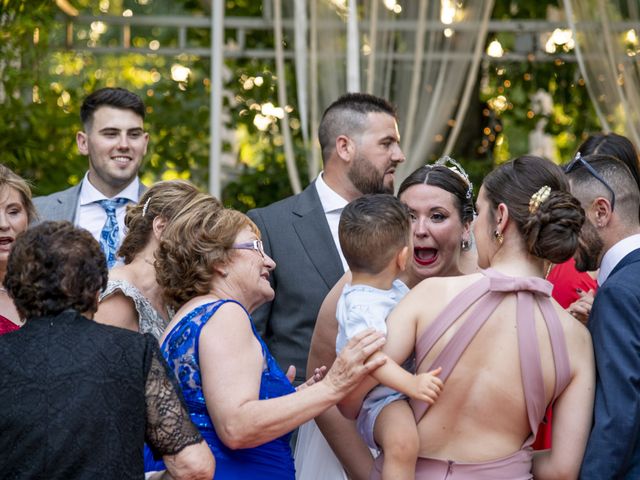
[[79, 398]]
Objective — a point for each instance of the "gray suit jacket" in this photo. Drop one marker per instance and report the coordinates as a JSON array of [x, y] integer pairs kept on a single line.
[[296, 235], [63, 205]]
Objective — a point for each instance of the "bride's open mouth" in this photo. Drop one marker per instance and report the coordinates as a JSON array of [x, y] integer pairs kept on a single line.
[[425, 256]]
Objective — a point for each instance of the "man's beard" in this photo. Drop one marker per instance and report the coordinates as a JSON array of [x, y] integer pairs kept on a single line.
[[589, 251], [366, 178]]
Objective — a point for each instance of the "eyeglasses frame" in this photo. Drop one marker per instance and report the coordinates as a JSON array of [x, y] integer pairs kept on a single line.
[[255, 245]]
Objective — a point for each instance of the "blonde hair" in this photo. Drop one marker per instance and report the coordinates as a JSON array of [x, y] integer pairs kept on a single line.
[[198, 240], [10, 179]]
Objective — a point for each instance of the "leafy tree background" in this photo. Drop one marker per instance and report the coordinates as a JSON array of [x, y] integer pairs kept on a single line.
[[42, 86]]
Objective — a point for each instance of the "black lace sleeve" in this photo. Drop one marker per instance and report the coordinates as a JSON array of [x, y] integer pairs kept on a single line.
[[169, 427]]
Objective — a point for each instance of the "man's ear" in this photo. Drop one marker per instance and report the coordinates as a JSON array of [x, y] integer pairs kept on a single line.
[[344, 148], [146, 142], [602, 212], [82, 142]]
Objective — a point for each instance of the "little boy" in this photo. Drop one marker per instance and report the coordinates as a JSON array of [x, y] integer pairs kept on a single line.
[[375, 237]]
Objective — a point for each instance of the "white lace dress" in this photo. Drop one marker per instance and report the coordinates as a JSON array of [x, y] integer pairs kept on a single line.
[[149, 320]]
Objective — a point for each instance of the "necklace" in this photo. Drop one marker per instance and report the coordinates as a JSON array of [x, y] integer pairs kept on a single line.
[[549, 267]]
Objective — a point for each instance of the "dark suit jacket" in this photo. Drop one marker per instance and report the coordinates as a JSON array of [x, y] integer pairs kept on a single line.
[[63, 205], [296, 235], [613, 450]]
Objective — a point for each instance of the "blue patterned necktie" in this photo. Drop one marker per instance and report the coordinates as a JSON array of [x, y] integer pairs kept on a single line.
[[109, 234]]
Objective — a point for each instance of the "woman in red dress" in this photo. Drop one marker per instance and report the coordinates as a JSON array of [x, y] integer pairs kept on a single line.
[[16, 212]]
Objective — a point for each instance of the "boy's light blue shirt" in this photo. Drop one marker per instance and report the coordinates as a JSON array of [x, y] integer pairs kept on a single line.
[[362, 306]]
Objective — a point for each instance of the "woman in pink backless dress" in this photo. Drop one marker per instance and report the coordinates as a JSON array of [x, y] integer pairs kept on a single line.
[[507, 349], [16, 212]]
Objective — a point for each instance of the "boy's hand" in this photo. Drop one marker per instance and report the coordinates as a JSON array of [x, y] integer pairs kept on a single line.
[[429, 386]]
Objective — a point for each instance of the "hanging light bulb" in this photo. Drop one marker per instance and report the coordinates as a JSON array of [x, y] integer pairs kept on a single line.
[[447, 11], [495, 49]]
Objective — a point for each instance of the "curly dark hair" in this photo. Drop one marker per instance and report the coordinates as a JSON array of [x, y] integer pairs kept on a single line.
[[53, 267], [551, 232]]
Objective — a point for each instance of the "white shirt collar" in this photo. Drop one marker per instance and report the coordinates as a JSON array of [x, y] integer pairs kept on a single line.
[[615, 254], [90, 194], [330, 200]]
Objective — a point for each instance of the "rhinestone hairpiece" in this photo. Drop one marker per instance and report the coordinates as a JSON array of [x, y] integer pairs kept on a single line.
[[146, 206], [456, 168]]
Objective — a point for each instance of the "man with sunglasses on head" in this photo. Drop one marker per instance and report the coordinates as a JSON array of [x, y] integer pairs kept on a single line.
[[610, 241]]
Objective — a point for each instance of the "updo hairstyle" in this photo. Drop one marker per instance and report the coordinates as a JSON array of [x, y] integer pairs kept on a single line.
[[164, 199], [550, 232]]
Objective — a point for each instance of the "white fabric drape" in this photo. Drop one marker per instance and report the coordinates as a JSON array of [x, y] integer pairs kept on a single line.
[[608, 51], [406, 56], [289, 156]]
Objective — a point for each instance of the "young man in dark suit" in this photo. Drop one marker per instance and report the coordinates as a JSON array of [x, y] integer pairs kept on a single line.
[[611, 242]]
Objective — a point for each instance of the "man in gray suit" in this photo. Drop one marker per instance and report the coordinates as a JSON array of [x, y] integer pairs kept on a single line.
[[360, 146], [114, 139]]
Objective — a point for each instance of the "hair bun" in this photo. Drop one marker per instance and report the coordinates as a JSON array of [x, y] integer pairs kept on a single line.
[[552, 229]]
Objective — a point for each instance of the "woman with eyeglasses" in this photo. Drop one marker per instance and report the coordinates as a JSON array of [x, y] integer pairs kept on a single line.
[[213, 269]]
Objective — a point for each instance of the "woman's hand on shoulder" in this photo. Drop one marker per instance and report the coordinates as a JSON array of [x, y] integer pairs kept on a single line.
[[354, 362]]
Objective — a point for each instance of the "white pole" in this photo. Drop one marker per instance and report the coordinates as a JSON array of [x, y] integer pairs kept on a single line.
[[215, 121], [353, 49]]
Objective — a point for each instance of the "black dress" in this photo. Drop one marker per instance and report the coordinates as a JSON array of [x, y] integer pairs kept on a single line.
[[78, 400]]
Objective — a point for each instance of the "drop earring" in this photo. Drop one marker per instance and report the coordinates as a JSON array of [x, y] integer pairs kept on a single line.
[[498, 236]]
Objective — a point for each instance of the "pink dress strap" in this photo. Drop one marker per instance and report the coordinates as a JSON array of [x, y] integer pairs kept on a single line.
[[484, 296]]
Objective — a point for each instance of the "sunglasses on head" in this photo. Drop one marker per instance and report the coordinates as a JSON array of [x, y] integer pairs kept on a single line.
[[577, 162]]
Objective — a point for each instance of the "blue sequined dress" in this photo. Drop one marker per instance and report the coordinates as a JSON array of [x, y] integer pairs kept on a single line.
[[272, 460]]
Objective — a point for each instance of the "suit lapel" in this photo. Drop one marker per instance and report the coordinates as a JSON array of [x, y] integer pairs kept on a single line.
[[68, 203], [313, 231]]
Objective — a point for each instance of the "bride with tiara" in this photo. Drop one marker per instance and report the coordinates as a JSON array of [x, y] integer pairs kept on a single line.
[[440, 249]]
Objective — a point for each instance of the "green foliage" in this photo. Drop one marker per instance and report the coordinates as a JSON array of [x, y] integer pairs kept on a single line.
[[44, 85], [526, 9]]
